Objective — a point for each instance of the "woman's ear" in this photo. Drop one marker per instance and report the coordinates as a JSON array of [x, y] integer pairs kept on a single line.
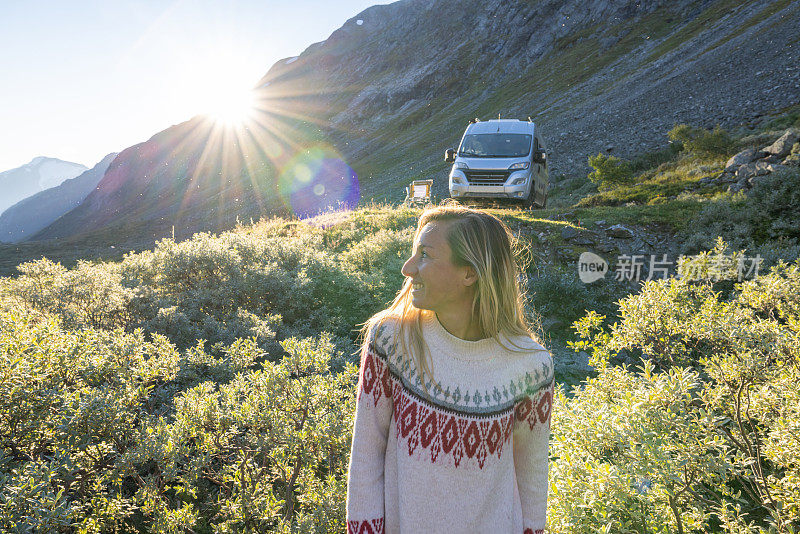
[[470, 276]]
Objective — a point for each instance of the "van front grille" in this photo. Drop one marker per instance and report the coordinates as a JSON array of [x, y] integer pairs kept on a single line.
[[476, 177]]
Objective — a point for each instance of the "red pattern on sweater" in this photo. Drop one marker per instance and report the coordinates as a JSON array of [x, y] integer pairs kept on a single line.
[[442, 431], [368, 526], [531, 531]]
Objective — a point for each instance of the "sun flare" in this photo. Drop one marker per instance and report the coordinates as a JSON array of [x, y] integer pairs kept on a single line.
[[230, 105]]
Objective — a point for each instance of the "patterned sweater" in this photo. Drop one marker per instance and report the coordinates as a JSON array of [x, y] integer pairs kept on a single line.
[[469, 458]]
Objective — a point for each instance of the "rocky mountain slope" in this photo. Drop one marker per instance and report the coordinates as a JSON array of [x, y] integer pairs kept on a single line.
[[28, 216], [395, 86], [39, 174]]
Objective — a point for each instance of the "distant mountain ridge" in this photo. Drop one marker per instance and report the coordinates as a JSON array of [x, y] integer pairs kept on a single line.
[[28, 216], [391, 89], [39, 174]]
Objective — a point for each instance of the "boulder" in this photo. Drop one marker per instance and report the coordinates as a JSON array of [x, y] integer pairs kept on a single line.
[[726, 176], [775, 167], [551, 323], [745, 156], [619, 231], [745, 172], [583, 240], [568, 232], [772, 158], [738, 186], [783, 146], [793, 159]]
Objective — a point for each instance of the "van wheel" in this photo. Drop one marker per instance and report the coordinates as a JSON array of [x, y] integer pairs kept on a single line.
[[543, 204], [528, 203]]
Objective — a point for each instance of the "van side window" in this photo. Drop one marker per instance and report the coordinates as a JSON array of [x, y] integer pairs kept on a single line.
[[535, 144]]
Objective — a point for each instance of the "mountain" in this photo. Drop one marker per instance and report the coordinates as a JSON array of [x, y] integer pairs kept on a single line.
[[40, 174], [28, 216], [376, 104]]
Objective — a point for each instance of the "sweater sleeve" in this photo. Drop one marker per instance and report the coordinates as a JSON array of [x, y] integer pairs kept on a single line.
[[531, 440], [365, 481]]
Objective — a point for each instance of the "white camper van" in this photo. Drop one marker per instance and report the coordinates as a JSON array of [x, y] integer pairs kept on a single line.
[[503, 158]]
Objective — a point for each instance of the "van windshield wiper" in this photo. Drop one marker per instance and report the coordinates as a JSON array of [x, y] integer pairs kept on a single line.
[[468, 154]]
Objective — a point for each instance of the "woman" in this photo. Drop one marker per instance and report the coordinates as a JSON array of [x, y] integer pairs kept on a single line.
[[453, 412]]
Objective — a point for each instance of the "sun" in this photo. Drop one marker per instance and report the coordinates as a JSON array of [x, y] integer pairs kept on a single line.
[[230, 104]]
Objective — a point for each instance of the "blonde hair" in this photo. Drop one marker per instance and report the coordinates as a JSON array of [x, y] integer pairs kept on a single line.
[[485, 243]]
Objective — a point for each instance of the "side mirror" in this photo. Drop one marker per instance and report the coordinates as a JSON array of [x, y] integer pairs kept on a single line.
[[540, 156], [449, 155]]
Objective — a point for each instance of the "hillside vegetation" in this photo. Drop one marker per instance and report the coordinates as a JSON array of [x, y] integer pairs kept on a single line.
[[207, 385]]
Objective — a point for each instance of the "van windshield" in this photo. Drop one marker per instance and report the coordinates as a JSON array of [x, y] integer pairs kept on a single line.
[[495, 145]]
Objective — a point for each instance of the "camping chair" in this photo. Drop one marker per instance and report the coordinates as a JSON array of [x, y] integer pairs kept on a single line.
[[418, 192]]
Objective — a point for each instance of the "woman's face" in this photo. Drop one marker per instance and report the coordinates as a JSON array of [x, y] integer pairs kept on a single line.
[[438, 284]]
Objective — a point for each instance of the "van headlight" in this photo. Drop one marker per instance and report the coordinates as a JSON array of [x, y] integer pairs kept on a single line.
[[521, 166], [457, 180], [460, 165]]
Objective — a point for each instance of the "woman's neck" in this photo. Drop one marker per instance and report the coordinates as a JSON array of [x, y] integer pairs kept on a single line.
[[461, 326]]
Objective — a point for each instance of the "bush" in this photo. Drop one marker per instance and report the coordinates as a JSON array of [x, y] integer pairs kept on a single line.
[[212, 288], [107, 432], [765, 219], [71, 402], [267, 452], [703, 444], [609, 171], [701, 142]]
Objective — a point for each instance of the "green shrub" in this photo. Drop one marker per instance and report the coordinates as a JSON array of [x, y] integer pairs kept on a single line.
[[212, 288], [701, 142], [654, 159], [381, 256], [764, 220], [71, 402], [267, 451], [609, 171], [103, 431], [703, 445]]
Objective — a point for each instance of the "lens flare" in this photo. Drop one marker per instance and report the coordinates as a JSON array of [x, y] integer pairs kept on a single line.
[[317, 180]]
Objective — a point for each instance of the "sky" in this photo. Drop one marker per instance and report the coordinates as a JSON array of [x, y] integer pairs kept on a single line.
[[82, 78]]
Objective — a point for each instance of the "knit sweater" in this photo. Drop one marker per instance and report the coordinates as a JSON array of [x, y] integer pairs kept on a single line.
[[470, 457]]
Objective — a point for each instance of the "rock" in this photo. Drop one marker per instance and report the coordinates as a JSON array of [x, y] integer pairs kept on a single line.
[[583, 240], [619, 231], [599, 223], [772, 158], [792, 160], [745, 156], [568, 232], [581, 362], [753, 180], [738, 186], [775, 167], [746, 172], [727, 176], [783, 146], [550, 323], [605, 247]]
